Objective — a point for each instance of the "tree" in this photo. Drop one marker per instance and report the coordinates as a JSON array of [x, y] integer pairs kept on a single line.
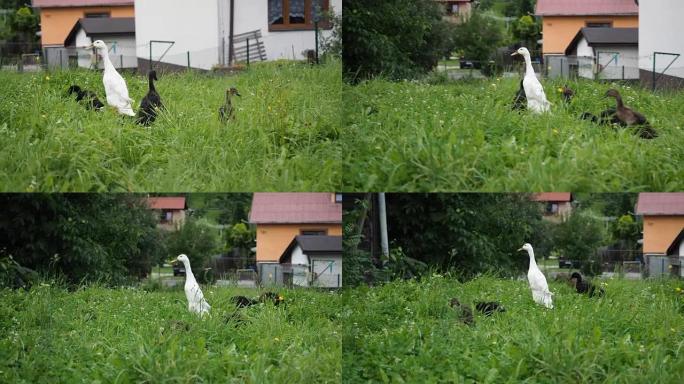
[[398, 39], [479, 37], [467, 233], [579, 235], [197, 241], [240, 236], [109, 238], [527, 31]]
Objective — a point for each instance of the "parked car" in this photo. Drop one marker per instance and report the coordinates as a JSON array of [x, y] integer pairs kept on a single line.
[[178, 269], [563, 263]]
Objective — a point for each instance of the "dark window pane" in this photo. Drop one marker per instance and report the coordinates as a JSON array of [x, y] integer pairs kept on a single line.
[[275, 11], [297, 11]]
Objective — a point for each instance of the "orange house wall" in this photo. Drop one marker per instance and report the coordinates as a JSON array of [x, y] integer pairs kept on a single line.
[[558, 31], [272, 239], [56, 23], [660, 232]]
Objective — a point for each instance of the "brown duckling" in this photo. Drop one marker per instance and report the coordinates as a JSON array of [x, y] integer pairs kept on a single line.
[[226, 111], [465, 314], [629, 117]]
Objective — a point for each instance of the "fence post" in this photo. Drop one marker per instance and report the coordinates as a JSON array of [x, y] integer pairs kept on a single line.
[[188, 60], [623, 72], [223, 51], [248, 52], [150, 55], [654, 73], [60, 58], [121, 60]]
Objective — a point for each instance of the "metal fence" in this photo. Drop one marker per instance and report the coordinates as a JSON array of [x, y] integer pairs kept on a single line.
[[250, 47], [291, 275]]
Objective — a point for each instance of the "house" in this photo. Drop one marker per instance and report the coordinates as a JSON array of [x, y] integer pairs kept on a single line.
[[663, 217], [280, 217], [117, 32], [604, 53], [555, 205], [199, 35], [58, 17], [660, 41], [562, 19], [313, 261], [171, 211], [456, 11]]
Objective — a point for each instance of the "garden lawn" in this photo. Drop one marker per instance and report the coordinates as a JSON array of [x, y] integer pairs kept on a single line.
[[463, 136], [283, 137], [49, 335], [405, 331]]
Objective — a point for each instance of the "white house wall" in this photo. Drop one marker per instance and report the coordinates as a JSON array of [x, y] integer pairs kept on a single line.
[[661, 30], [192, 25], [251, 15], [121, 50], [201, 27], [328, 269], [627, 61]]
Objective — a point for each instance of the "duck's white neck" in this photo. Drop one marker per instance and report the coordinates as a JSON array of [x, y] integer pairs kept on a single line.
[[533, 262], [529, 71], [188, 271], [108, 66]]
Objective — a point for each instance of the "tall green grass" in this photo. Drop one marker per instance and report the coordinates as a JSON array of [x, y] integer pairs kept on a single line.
[[283, 138], [405, 332], [49, 335], [463, 136]]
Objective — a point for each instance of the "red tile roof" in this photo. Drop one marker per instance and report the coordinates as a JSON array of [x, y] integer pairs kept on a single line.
[[166, 202], [552, 196], [78, 3], [294, 208], [586, 7], [656, 203]]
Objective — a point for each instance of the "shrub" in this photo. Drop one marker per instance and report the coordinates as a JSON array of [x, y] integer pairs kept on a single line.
[[198, 242], [110, 238], [403, 46]]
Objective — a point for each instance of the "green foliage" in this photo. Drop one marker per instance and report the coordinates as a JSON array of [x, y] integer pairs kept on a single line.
[[405, 332], [24, 20], [49, 335], [397, 39], [579, 235], [527, 31], [91, 237], [358, 266], [466, 233], [240, 236], [332, 45], [198, 242], [517, 8], [478, 38], [627, 231], [284, 136], [463, 136]]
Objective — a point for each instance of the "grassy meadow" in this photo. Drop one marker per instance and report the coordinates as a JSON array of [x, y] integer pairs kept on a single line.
[[50, 335], [283, 137], [405, 332], [463, 136]]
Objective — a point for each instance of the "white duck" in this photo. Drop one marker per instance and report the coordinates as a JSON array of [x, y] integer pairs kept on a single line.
[[538, 285], [115, 85], [536, 98], [196, 302]]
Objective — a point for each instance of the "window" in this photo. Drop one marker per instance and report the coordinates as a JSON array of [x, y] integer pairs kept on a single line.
[[552, 208], [286, 15], [338, 197], [453, 9], [313, 232], [166, 216], [95, 15], [600, 24]]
